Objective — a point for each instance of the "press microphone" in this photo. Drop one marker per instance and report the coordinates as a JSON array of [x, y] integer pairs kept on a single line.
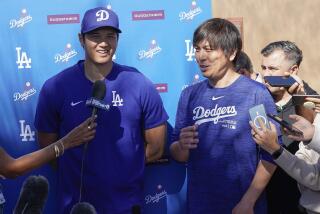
[[2, 200], [33, 196], [83, 208], [98, 94], [135, 209]]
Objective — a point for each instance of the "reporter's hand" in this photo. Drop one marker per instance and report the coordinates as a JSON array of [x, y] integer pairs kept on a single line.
[[298, 86], [303, 125], [81, 134], [266, 138], [188, 138], [316, 101], [243, 208]]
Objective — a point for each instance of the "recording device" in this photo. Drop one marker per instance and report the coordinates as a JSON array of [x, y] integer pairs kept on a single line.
[[83, 208], [2, 200], [136, 209], [98, 93], [299, 99], [33, 196], [293, 130], [280, 81], [257, 112]]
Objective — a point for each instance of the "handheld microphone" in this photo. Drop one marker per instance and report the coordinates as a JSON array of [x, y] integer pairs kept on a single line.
[[83, 208], [2, 200], [98, 93], [135, 209], [33, 196]]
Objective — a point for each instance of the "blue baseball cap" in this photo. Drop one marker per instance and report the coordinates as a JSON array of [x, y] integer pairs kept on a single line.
[[99, 17]]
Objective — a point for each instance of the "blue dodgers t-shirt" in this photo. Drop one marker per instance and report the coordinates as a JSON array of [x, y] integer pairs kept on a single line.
[[221, 169], [114, 162]]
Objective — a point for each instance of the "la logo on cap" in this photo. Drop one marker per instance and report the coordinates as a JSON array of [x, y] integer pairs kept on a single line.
[[102, 15]]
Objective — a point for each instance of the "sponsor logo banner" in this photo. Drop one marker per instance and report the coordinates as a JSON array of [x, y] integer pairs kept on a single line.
[[148, 15], [63, 19]]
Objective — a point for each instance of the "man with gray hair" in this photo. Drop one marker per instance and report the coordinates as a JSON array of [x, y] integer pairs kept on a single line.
[[283, 58]]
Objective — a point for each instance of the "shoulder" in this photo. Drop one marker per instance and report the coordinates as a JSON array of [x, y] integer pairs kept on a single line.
[[62, 77], [195, 89]]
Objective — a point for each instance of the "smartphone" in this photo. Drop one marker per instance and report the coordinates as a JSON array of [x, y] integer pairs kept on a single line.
[[280, 81], [299, 99], [285, 124], [259, 112]]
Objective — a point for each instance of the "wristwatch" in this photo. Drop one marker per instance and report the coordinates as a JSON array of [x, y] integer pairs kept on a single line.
[[277, 153]]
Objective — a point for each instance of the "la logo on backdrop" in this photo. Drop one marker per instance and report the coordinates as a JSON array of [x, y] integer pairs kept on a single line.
[[23, 61], [21, 21], [26, 133]]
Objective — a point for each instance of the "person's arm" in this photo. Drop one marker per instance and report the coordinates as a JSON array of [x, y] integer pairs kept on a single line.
[[188, 139], [261, 178], [10, 167], [155, 139], [301, 167]]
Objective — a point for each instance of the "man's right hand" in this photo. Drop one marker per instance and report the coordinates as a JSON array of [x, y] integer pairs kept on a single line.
[[188, 138]]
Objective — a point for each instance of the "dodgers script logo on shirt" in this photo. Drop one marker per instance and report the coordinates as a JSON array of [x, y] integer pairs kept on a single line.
[[102, 15], [202, 115]]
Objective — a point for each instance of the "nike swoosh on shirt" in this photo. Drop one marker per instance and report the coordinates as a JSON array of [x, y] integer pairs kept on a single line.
[[216, 98], [76, 103]]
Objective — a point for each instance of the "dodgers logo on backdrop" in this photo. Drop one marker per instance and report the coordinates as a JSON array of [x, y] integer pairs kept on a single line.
[[68, 53], [116, 99], [22, 59], [190, 51], [23, 96], [153, 50], [102, 15], [196, 79], [24, 19], [25, 131], [191, 13], [157, 196]]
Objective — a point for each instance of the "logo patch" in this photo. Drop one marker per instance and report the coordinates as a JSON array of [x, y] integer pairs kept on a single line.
[[25, 131]]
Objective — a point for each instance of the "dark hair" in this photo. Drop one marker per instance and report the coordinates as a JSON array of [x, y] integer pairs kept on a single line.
[[243, 62], [290, 49], [221, 34]]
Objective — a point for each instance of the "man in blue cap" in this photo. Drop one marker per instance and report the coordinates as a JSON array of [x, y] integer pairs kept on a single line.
[[109, 173]]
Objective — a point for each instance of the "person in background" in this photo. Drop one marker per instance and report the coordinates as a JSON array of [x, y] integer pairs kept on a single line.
[[11, 167], [109, 173], [283, 58], [227, 172], [304, 165], [244, 66]]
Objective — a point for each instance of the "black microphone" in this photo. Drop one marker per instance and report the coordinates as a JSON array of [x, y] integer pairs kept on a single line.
[[136, 209], [33, 196], [83, 208], [98, 93]]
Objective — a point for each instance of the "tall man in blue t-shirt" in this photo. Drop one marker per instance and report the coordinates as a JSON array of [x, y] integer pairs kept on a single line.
[[227, 172], [131, 131]]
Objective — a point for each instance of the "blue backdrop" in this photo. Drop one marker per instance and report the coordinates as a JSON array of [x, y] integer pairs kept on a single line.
[[39, 39]]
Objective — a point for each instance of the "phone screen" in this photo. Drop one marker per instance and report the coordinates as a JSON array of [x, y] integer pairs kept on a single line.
[[298, 99], [280, 81], [285, 124]]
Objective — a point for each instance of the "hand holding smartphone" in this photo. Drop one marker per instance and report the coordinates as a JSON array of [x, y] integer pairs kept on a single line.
[[291, 129], [257, 112], [280, 81], [298, 99]]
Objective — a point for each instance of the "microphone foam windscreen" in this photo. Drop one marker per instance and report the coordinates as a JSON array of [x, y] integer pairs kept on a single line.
[[99, 90], [83, 208]]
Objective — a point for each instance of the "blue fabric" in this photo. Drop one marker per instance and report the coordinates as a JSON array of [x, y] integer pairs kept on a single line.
[[221, 169], [114, 163]]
